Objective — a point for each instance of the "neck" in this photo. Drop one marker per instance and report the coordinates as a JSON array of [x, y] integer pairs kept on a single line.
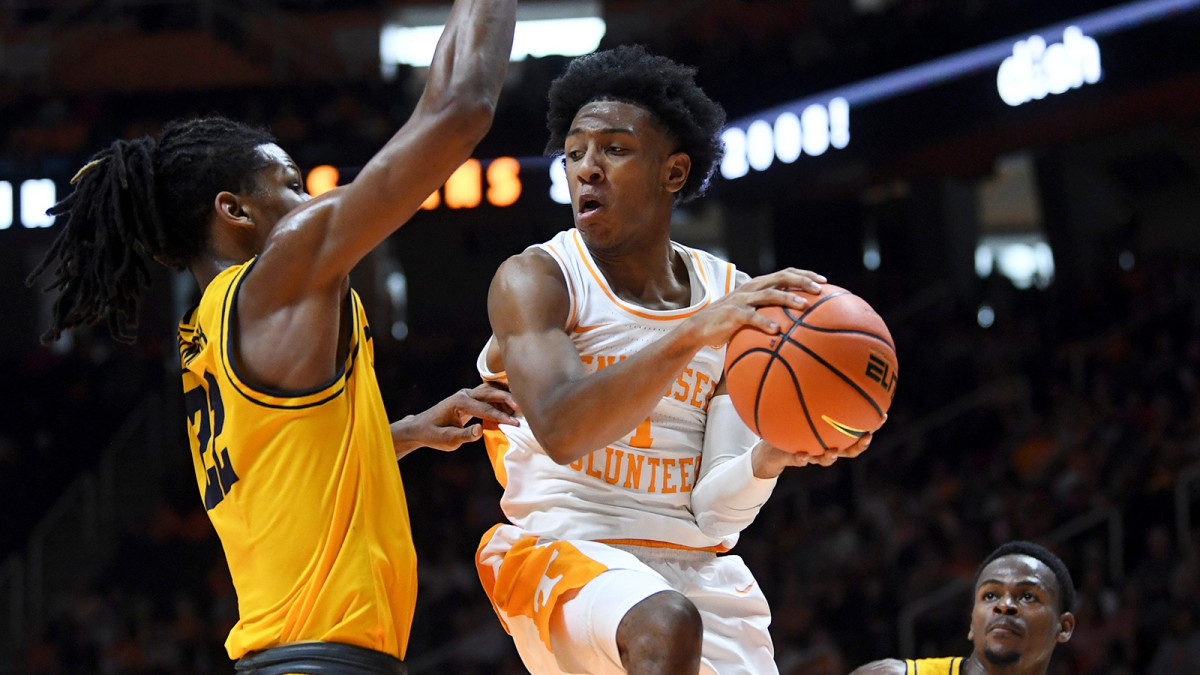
[[648, 273], [207, 268]]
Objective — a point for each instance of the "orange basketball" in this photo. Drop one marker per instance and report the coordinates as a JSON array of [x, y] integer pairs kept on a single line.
[[823, 381]]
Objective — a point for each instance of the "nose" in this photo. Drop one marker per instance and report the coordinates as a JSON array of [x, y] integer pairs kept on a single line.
[[1005, 605], [589, 169]]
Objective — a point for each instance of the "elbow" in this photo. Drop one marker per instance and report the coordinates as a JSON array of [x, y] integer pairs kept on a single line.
[[465, 117], [558, 443]]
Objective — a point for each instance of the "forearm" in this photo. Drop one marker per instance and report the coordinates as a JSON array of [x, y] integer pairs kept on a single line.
[[731, 489], [580, 414]]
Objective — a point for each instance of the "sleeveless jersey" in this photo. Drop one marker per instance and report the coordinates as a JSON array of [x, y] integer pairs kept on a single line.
[[950, 665], [302, 488], [638, 489]]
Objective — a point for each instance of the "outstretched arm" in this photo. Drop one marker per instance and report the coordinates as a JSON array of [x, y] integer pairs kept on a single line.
[[291, 306], [572, 412]]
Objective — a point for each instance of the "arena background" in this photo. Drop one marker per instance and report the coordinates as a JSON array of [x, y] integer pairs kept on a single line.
[[1037, 265]]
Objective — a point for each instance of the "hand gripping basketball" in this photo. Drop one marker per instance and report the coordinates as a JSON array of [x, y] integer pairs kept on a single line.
[[826, 379]]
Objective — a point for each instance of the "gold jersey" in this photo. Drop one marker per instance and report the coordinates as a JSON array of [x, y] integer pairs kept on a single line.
[[950, 665], [303, 489]]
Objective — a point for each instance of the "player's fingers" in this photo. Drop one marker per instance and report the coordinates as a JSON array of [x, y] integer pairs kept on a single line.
[[451, 438], [469, 408], [858, 448], [790, 277], [778, 297], [495, 395], [826, 458]]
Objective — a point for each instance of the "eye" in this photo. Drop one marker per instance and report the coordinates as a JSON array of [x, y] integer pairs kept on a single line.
[[573, 155], [1029, 596], [988, 595], [616, 150]]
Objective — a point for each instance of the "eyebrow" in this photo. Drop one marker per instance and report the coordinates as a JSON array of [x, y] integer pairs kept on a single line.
[[606, 130]]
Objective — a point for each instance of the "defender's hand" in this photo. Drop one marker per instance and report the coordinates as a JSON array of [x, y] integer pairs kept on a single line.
[[444, 426]]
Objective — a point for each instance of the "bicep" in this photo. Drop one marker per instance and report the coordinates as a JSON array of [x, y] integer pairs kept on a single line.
[[528, 305]]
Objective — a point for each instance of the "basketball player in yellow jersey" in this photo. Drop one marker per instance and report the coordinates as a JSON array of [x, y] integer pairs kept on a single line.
[[1022, 611], [293, 453], [637, 473]]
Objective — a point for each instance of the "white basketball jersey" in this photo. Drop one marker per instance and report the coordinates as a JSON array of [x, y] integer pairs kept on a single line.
[[636, 490]]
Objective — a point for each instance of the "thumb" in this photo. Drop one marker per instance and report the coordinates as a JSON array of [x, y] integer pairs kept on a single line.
[[452, 437]]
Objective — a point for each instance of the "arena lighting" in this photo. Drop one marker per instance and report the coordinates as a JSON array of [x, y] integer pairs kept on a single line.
[[567, 28], [37, 196], [747, 148], [6, 204]]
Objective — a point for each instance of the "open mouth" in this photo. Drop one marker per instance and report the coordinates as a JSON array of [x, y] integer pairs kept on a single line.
[[588, 206]]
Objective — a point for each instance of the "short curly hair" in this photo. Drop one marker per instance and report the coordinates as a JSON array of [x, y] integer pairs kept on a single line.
[[631, 74], [1062, 576]]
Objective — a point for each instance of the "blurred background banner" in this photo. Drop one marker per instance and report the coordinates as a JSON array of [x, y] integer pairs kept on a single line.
[[1013, 185]]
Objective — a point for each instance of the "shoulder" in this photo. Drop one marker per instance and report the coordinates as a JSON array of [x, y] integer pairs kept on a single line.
[[532, 267], [529, 284], [883, 667]]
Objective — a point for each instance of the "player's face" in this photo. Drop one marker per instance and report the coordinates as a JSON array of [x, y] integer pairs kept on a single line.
[[279, 189], [1016, 617], [622, 170]]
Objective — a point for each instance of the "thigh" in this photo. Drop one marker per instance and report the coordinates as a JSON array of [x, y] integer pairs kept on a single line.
[[736, 616], [584, 629], [562, 600]]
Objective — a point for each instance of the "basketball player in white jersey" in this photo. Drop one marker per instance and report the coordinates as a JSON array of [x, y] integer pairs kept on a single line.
[[633, 473]]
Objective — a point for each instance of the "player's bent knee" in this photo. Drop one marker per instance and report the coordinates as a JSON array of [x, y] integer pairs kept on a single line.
[[665, 618]]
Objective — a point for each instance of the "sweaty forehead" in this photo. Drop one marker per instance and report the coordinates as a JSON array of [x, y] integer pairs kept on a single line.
[[612, 115], [1011, 569], [276, 156]]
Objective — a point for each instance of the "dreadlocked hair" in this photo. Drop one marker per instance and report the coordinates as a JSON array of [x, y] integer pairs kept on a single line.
[[136, 199], [631, 74]]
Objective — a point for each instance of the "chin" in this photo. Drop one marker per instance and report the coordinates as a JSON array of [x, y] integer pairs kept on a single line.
[[1001, 657]]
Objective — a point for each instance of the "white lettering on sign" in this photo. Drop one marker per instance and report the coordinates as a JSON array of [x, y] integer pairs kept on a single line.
[[816, 129], [1035, 70]]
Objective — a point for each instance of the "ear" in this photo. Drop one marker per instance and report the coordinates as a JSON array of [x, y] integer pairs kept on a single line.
[[1066, 625], [676, 169], [231, 210], [971, 634]]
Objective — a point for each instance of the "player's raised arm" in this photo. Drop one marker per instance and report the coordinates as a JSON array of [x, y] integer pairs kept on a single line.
[[321, 242]]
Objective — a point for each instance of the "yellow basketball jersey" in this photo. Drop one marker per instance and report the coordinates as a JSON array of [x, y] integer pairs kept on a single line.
[[302, 488], [950, 665]]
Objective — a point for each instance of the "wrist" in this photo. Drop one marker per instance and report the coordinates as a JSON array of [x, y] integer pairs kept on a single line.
[[404, 439], [767, 461]]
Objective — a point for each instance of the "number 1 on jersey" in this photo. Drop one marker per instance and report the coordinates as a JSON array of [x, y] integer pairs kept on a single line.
[[641, 437]]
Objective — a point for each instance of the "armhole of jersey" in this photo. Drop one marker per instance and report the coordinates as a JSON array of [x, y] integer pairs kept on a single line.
[[481, 365], [279, 398], [571, 294]]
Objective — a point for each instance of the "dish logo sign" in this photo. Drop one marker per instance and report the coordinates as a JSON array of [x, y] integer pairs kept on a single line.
[[1035, 69]]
